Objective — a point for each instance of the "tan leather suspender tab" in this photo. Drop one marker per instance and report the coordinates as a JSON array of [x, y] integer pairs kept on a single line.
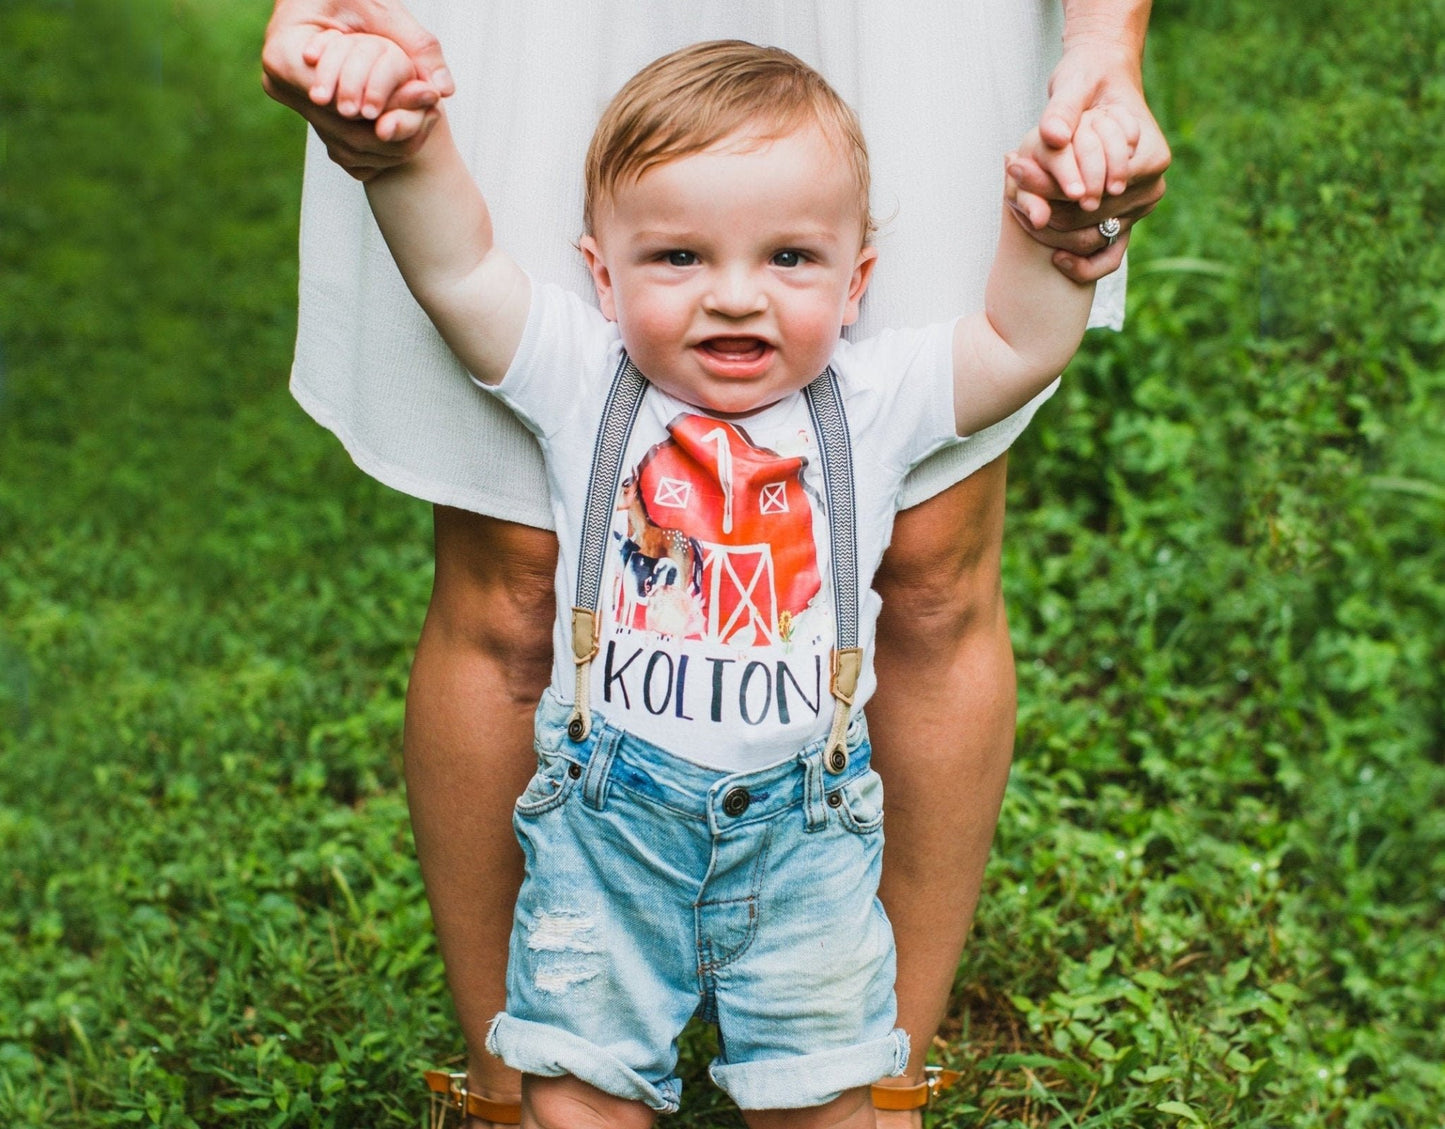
[[584, 650], [843, 684], [847, 665]]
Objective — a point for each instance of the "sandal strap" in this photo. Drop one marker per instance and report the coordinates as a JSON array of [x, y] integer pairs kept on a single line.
[[935, 1078], [457, 1096]]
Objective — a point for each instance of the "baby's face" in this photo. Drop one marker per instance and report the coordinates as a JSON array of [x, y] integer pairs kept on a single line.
[[731, 272]]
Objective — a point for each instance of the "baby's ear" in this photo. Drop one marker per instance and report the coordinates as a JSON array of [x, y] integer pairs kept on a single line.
[[858, 285], [601, 276]]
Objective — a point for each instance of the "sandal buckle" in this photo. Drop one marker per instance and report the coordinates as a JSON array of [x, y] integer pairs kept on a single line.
[[933, 1079], [448, 1093]]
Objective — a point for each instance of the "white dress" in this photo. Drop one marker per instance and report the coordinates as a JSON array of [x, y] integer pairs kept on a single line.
[[943, 87]]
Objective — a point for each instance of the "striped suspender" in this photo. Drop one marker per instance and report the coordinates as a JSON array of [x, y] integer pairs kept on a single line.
[[830, 424], [608, 450]]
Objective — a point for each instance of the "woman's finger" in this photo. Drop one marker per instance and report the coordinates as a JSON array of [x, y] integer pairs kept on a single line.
[[1091, 268]]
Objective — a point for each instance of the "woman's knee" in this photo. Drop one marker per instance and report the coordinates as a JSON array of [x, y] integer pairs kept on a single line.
[[941, 577], [493, 591]]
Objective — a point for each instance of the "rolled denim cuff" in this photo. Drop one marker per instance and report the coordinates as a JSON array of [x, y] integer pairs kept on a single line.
[[535, 1048], [802, 1081]]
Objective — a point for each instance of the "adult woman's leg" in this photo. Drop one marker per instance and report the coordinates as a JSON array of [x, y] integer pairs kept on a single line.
[[481, 664], [942, 727]]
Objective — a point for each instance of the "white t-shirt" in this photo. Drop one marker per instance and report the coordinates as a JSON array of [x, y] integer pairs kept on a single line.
[[943, 87], [717, 598]]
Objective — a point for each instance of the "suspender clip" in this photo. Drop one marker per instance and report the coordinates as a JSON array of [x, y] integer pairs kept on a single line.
[[584, 650], [843, 684]]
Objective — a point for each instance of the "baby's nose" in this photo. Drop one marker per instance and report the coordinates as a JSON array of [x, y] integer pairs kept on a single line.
[[736, 294]]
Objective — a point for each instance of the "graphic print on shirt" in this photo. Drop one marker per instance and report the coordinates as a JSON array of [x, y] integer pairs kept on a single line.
[[719, 541], [717, 568]]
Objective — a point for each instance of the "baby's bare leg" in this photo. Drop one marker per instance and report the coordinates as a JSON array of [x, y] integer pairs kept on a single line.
[[850, 1110], [570, 1103]]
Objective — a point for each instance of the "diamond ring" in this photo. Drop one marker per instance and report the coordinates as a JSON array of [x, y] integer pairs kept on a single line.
[[1110, 229]]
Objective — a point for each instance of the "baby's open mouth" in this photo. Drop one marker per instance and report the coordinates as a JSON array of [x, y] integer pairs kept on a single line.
[[735, 346], [736, 352]]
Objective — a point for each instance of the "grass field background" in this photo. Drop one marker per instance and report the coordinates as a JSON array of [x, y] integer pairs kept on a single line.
[[1216, 896]]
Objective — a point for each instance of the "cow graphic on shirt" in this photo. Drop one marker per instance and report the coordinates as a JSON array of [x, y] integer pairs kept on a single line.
[[662, 571], [718, 541]]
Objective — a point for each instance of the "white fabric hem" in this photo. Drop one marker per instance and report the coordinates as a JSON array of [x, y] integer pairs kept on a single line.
[[537, 514]]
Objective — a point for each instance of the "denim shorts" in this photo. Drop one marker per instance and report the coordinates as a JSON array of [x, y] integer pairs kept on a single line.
[[657, 889]]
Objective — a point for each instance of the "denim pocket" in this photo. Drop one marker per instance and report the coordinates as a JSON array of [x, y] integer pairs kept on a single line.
[[860, 804], [549, 785]]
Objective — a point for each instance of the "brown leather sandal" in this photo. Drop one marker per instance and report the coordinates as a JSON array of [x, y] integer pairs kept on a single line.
[[449, 1093], [935, 1078]]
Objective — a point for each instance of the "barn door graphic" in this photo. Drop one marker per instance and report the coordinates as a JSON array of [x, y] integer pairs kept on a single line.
[[718, 540]]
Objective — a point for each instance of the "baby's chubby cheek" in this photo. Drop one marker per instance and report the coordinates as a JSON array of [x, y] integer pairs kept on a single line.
[[815, 337], [647, 329]]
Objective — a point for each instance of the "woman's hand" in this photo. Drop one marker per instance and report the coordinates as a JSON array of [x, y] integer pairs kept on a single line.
[[372, 137], [1062, 190]]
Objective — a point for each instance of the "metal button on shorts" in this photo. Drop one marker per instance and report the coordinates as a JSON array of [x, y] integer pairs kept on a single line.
[[736, 802]]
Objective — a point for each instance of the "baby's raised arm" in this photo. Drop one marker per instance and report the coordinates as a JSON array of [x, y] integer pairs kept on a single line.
[[1034, 316], [430, 211]]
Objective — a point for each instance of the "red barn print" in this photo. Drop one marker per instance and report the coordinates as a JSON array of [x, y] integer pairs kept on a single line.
[[719, 541]]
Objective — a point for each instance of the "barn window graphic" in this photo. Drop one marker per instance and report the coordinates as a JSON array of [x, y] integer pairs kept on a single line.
[[718, 541]]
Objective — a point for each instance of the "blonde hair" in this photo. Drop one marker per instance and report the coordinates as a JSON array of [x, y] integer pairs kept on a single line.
[[692, 98]]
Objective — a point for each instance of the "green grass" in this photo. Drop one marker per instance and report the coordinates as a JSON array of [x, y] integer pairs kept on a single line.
[[1217, 893]]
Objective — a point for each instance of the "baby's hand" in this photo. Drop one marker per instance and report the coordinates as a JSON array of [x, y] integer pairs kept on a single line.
[[1094, 163], [359, 73]]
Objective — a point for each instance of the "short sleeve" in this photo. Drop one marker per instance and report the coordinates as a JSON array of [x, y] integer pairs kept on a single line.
[[567, 348], [899, 391]]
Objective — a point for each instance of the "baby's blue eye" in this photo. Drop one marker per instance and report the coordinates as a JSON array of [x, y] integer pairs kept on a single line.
[[681, 258], [788, 259]]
